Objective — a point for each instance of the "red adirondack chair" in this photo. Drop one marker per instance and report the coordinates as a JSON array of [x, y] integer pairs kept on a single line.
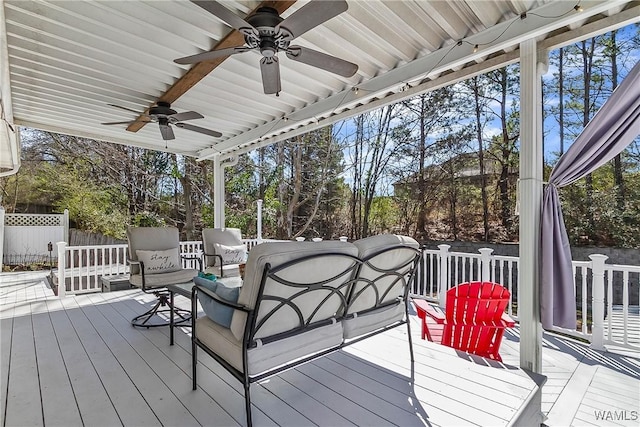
[[474, 319]]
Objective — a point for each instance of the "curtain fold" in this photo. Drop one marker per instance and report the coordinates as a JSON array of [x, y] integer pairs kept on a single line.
[[609, 132]]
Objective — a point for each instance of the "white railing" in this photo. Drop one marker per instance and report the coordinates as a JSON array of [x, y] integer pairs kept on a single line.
[[81, 268], [607, 312]]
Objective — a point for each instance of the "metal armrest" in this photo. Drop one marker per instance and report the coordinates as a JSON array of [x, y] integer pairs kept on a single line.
[[199, 288], [141, 264], [204, 255]]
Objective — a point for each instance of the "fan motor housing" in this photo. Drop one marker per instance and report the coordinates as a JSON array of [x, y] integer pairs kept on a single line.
[[162, 109], [266, 21]]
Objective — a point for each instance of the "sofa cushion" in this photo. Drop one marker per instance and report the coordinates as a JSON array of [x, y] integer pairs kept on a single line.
[[221, 340], [150, 239], [236, 254], [374, 284], [369, 322], [223, 236], [316, 269], [219, 313], [156, 262], [159, 280], [267, 356]]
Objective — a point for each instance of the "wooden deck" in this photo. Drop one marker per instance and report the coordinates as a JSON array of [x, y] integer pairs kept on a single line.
[[77, 361]]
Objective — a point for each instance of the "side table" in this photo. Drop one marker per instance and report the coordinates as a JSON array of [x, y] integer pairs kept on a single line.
[[183, 289]]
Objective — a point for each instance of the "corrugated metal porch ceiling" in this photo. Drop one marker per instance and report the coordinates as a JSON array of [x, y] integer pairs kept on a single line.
[[69, 59]]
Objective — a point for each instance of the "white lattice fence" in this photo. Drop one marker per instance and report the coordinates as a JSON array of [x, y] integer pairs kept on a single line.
[[26, 237]]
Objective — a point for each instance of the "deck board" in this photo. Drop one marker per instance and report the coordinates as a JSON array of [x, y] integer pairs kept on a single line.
[[130, 406], [6, 334], [446, 398], [120, 375], [55, 385], [23, 393], [94, 402], [142, 363], [201, 407]]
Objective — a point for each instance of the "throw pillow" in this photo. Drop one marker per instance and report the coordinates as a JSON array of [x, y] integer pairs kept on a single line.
[[159, 261], [231, 254], [219, 313], [207, 282]]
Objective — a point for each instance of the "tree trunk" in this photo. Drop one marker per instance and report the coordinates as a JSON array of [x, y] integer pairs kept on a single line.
[[505, 201], [587, 62], [483, 175], [421, 228], [617, 160], [561, 99], [185, 180]]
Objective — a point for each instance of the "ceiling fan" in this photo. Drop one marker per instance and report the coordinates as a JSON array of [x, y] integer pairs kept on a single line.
[[265, 31], [162, 114]]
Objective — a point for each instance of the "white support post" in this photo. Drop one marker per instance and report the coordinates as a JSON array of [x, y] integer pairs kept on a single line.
[[597, 301], [485, 264], [1, 237], [62, 262], [65, 219], [530, 207], [259, 225], [443, 281], [218, 192]]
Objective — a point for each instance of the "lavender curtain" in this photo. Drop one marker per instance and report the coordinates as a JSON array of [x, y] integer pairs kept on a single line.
[[608, 133]]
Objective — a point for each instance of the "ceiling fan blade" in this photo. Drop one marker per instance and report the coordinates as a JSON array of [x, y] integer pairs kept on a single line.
[[216, 9], [212, 54], [124, 108], [270, 75], [122, 123], [193, 128], [311, 15], [187, 115], [322, 60], [167, 132]]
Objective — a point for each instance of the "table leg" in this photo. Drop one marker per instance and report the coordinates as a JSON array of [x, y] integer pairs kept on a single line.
[[171, 319]]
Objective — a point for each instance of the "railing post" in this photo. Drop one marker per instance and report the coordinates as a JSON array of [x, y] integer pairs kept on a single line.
[[62, 262], [1, 237], [485, 264], [444, 274], [259, 225], [597, 301]]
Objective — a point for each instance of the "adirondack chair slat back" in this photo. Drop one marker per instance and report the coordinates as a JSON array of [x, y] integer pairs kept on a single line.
[[473, 317]]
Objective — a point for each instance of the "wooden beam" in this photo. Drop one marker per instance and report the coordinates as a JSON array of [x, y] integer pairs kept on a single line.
[[202, 69]]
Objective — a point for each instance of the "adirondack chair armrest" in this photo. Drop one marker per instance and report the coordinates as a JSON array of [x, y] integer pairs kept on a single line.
[[435, 313], [425, 308], [508, 321]]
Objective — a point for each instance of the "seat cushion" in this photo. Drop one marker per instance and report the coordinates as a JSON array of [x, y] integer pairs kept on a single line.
[[185, 275], [150, 239], [377, 319], [267, 356]]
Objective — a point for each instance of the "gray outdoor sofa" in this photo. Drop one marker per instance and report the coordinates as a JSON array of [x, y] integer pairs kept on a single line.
[[302, 300]]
